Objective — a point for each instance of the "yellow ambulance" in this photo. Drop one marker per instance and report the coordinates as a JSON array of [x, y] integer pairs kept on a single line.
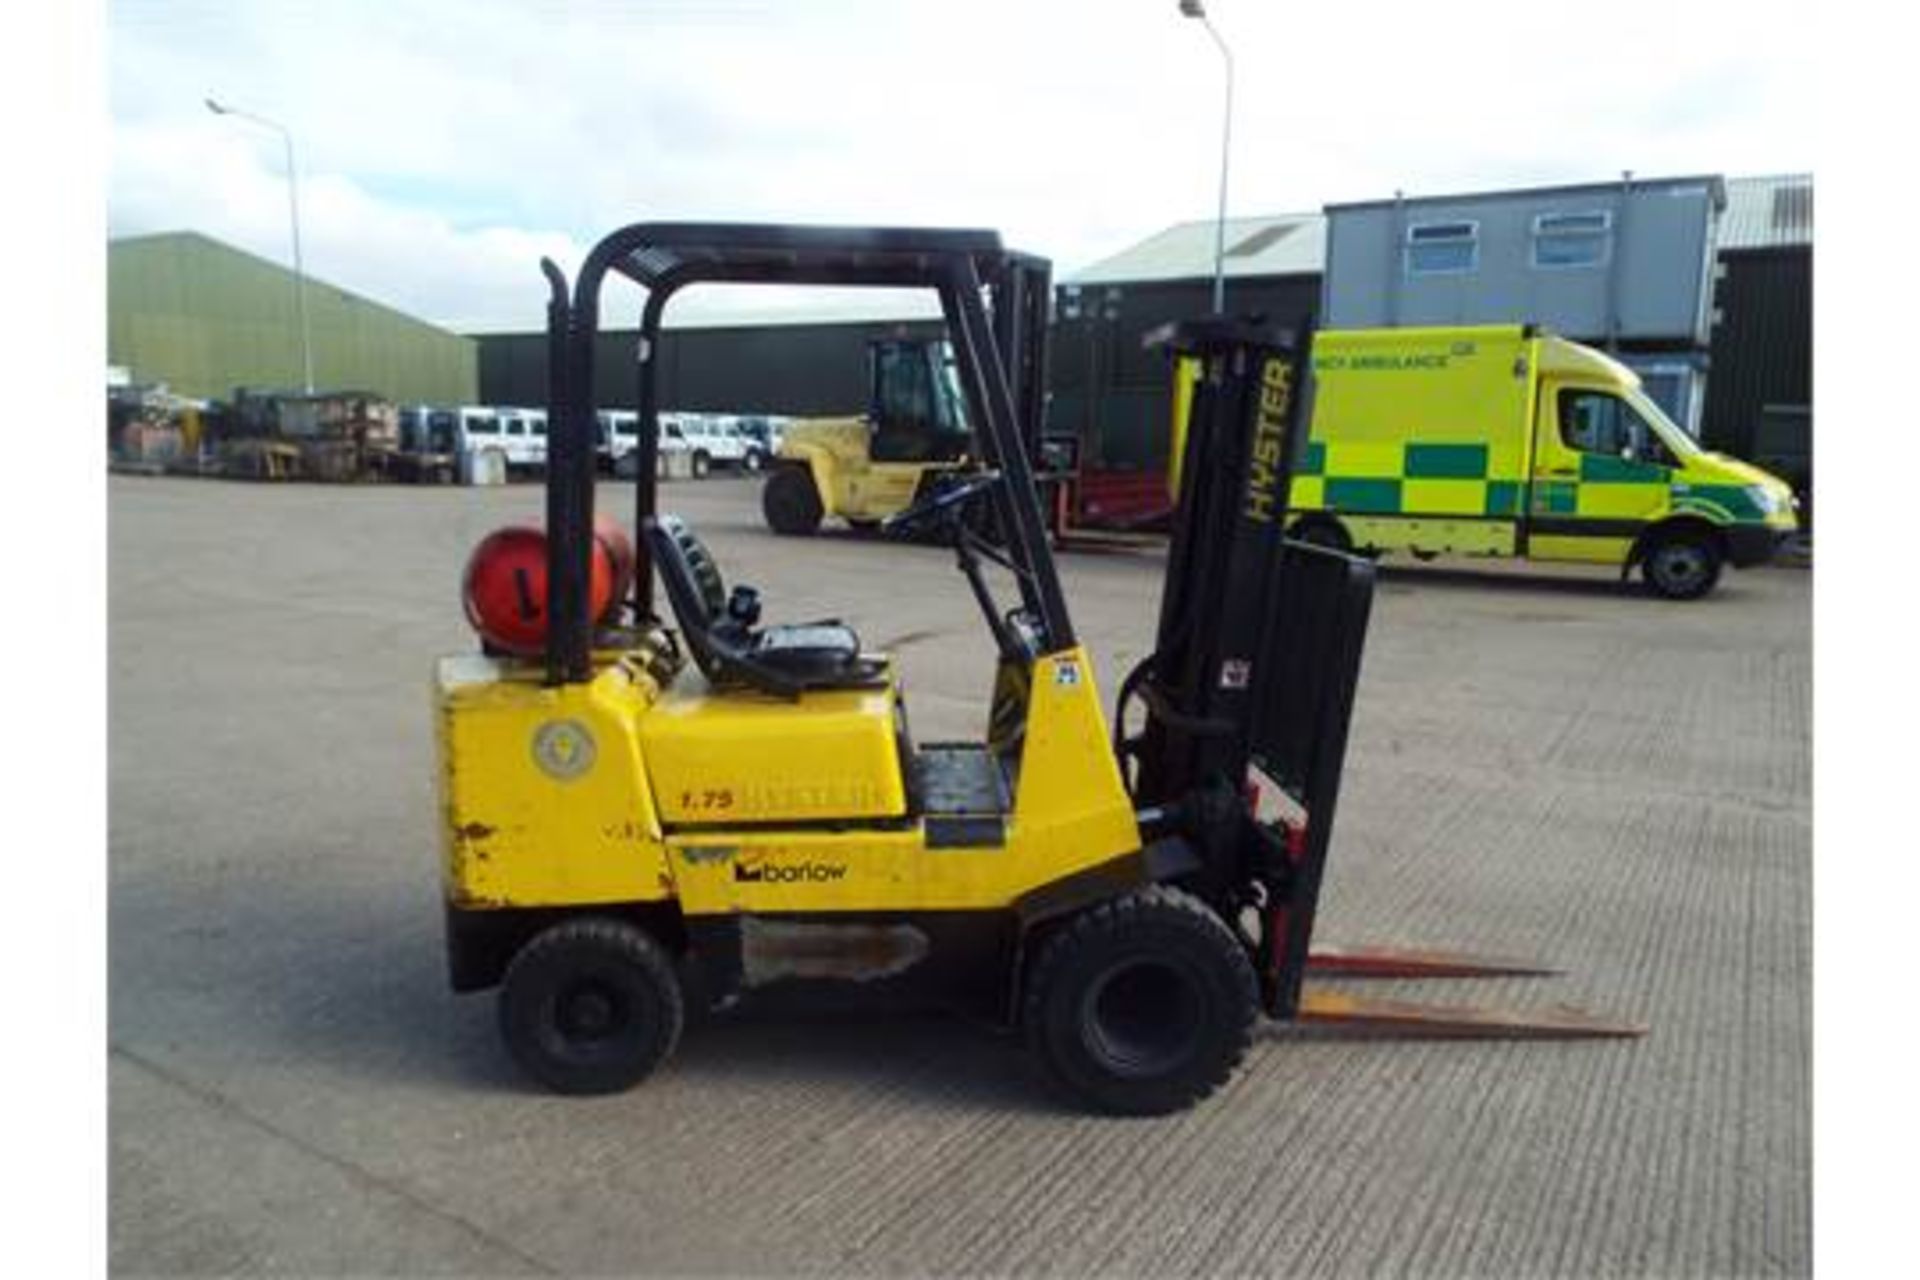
[[1506, 441]]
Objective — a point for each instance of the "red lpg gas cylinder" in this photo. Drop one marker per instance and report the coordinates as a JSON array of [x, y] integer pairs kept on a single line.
[[611, 535], [504, 588]]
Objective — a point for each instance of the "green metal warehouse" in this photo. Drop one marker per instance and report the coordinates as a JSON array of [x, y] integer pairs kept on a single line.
[[204, 317]]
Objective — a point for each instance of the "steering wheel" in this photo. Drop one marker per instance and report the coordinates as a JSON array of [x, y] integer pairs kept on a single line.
[[943, 501]]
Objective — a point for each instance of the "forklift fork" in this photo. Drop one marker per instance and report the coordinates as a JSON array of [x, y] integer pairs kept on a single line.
[[1321, 1007], [1456, 1022], [1403, 962]]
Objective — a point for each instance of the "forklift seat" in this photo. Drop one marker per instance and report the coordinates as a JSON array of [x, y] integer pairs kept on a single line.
[[721, 631]]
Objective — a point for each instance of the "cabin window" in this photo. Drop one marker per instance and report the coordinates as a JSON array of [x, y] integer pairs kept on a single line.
[[1600, 422], [1442, 248], [1563, 241]]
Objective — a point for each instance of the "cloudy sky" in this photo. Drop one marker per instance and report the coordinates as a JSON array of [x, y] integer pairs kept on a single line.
[[444, 145]]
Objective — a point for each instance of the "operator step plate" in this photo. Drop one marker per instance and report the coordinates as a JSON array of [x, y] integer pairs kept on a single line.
[[961, 791]]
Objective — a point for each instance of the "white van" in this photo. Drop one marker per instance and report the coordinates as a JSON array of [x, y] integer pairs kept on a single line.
[[522, 438], [471, 428], [619, 439], [616, 434], [718, 441]]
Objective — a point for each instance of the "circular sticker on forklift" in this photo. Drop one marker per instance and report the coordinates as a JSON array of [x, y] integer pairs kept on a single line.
[[563, 749]]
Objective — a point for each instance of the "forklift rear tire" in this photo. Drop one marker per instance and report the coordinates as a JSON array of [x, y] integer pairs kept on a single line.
[[790, 501], [591, 1006], [1142, 1005]]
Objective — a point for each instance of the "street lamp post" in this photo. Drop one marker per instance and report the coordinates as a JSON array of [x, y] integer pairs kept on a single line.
[[1197, 9], [293, 210]]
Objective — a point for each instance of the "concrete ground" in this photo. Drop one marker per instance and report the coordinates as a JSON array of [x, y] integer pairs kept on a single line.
[[1542, 764]]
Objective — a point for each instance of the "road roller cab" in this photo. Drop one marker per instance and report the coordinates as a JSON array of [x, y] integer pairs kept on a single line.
[[658, 803]]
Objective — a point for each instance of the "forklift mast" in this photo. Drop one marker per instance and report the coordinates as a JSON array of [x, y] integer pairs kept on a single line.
[[1257, 654], [1020, 290]]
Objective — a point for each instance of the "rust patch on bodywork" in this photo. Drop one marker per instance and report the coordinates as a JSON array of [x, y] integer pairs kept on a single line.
[[699, 853], [470, 841], [774, 949], [466, 845]]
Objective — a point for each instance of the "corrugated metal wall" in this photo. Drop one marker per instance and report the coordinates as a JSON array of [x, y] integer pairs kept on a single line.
[[1116, 396], [1762, 348], [806, 370], [204, 318]]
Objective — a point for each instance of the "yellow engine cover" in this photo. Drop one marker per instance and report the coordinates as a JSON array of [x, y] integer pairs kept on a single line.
[[613, 791], [543, 798], [741, 758]]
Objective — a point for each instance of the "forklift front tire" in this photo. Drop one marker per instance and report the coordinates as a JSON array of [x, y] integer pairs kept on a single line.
[[591, 1006], [790, 501], [1142, 1005]]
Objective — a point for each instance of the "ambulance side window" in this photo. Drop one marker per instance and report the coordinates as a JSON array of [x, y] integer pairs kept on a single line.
[[1599, 422]]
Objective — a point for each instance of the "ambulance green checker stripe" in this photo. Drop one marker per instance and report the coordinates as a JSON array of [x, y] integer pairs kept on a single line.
[[1725, 502], [1381, 495], [1503, 498], [1446, 462], [1600, 468], [1419, 461], [1363, 496], [1556, 498]]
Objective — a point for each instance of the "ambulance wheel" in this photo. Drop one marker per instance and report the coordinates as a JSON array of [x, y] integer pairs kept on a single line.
[[1143, 1005], [790, 502], [1322, 533], [1681, 566], [591, 1006]]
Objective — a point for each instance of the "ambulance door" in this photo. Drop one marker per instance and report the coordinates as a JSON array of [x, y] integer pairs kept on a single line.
[[1600, 475]]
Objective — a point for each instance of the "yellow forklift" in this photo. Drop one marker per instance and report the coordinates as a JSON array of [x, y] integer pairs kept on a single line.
[[653, 812], [914, 441]]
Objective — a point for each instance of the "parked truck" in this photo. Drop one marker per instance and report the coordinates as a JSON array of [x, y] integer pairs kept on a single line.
[[315, 435], [1507, 441]]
